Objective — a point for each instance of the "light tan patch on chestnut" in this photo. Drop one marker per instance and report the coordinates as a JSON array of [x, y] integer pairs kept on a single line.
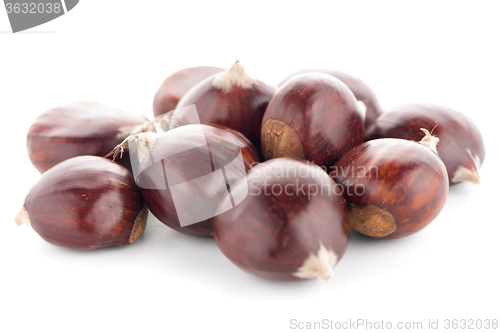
[[430, 141], [139, 225], [371, 221], [22, 217], [464, 174], [318, 265], [280, 140], [235, 75]]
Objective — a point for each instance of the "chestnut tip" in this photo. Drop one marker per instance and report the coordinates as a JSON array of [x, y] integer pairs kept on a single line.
[[235, 75], [127, 130], [145, 142], [463, 174], [430, 141], [22, 217], [159, 125], [318, 265]]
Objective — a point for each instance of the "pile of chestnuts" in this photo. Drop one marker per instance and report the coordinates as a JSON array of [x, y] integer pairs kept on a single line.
[[278, 175]]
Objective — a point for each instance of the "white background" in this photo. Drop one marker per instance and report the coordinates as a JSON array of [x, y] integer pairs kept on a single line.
[[119, 52]]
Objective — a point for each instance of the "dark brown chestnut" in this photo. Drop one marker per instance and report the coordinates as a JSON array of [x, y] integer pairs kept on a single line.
[[184, 172], [231, 99], [292, 225], [361, 91], [85, 202], [393, 187], [76, 129], [178, 84], [313, 116], [461, 145]]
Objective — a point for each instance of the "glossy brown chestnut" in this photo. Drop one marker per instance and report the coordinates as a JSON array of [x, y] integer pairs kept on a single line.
[[179, 83], [393, 187], [361, 91], [461, 145], [183, 173], [85, 202], [231, 99], [292, 225], [76, 129], [313, 116]]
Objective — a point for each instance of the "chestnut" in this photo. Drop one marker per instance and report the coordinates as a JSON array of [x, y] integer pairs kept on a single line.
[[313, 116], [361, 91], [292, 225], [75, 129], [85, 202], [461, 145], [232, 99], [184, 172], [177, 84], [393, 187]]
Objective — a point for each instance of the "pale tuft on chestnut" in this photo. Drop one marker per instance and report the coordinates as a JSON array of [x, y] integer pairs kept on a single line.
[[236, 76], [319, 265]]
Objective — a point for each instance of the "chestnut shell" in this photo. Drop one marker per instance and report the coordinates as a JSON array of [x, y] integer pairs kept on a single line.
[[179, 147], [272, 235], [239, 108], [76, 129], [401, 177], [313, 116], [460, 140], [178, 84], [87, 202], [361, 91]]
